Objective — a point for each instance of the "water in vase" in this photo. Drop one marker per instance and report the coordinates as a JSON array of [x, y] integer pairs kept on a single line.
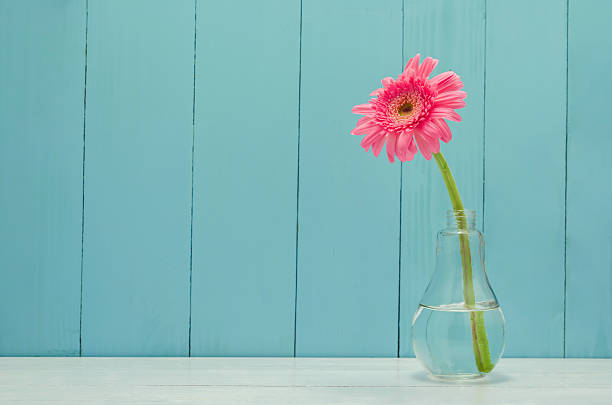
[[442, 337]]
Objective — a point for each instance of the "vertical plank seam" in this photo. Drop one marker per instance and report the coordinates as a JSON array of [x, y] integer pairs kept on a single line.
[[567, 3], [83, 183], [484, 116], [195, 36], [297, 191], [399, 265]]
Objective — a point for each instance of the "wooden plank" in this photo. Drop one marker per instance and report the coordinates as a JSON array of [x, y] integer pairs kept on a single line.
[[218, 395], [268, 372], [138, 177], [525, 170], [349, 200], [281, 381], [41, 152], [245, 178], [589, 217], [452, 32]]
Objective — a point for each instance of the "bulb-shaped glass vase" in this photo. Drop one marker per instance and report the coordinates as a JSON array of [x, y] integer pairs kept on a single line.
[[458, 331]]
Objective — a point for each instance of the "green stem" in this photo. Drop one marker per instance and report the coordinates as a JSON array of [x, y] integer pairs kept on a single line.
[[479, 333]]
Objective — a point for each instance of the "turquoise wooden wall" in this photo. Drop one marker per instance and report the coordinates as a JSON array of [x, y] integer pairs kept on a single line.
[[177, 178]]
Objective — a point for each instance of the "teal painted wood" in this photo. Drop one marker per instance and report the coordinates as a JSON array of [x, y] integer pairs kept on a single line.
[[138, 177], [452, 32], [42, 64], [525, 170], [245, 178], [139, 159], [589, 214], [349, 201]]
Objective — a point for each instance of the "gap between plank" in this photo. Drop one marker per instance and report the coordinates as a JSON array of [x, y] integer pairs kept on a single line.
[[297, 191], [399, 264], [83, 183], [567, 3], [195, 36]]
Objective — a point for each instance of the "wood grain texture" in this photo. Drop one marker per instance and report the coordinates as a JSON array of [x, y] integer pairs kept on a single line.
[[304, 381], [250, 122], [138, 177], [349, 200], [589, 214], [452, 32], [42, 64], [245, 178], [525, 170]]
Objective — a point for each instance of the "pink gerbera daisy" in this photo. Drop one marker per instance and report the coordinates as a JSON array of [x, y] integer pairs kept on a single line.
[[411, 111]]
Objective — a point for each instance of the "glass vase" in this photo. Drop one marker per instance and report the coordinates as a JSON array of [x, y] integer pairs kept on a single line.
[[458, 330]]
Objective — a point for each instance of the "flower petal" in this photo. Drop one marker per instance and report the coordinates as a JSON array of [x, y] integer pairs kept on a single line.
[[447, 81], [364, 126], [445, 131], [405, 148], [427, 146], [450, 96], [363, 109], [391, 142], [363, 120], [451, 99], [406, 74], [430, 130], [445, 113], [378, 145], [413, 63], [451, 103], [387, 81], [428, 65], [369, 139], [441, 78], [459, 94]]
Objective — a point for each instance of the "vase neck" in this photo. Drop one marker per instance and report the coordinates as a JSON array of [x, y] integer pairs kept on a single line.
[[460, 219], [448, 282]]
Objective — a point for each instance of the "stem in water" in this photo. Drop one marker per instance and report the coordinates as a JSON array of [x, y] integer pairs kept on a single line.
[[479, 333]]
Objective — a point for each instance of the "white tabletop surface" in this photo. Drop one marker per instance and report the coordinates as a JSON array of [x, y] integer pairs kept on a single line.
[[295, 381]]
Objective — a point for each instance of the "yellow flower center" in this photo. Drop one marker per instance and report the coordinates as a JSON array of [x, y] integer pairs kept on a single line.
[[405, 109]]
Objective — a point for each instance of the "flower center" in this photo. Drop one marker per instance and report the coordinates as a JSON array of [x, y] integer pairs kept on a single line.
[[405, 109], [403, 105]]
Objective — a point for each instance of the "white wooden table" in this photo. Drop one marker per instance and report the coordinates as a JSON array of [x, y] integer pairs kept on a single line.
[[295, 381]]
